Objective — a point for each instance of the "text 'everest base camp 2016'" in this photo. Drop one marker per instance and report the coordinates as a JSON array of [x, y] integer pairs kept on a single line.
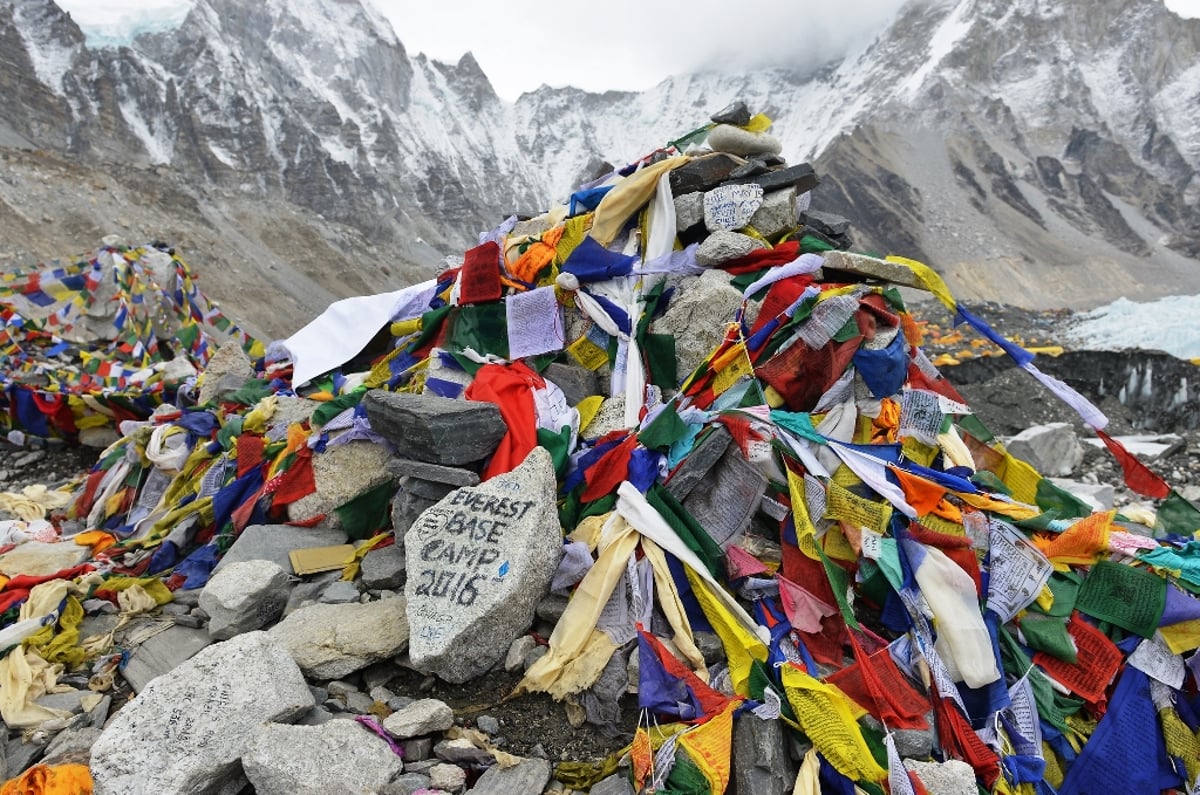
[[660, 490]]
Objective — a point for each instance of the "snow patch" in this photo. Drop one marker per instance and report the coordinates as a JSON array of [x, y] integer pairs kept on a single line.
[[1168, 324], [949, 33], [156, 143]]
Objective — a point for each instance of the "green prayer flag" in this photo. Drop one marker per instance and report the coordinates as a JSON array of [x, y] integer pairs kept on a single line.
[[839, 581], [431, 324], [1129, 597], [659, 353], [1177, 515], [664, 430], [1065, 587], [558, 445], [690, 532], [330, 409], [1061, 502], [368, 512], [482, 327], [1049, 635], [972, 425]]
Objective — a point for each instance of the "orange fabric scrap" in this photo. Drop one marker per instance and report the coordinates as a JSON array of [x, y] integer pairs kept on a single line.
[[51, 780]]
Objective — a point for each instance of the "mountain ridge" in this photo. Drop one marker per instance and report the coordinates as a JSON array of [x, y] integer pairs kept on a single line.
[[981, 136]]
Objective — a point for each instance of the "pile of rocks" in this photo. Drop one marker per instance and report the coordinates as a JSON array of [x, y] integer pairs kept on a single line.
[[668, 455]]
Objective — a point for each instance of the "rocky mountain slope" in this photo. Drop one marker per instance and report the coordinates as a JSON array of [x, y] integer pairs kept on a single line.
[[1036, 153]]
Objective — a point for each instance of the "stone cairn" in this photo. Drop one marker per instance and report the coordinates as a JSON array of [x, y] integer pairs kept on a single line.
[[666, 461]]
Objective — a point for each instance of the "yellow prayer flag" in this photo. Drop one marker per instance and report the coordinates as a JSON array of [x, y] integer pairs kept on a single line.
[[823, 712]]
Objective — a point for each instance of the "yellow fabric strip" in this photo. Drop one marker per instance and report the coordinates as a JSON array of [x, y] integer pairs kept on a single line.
[[628, 197], [575, 628], [824, 714], [741, 648]]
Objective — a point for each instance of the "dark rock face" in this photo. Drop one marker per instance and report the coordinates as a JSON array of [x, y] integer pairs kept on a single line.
[[1159, 390]]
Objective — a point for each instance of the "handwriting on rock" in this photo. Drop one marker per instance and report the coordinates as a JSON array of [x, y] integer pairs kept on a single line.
[[461, 541]]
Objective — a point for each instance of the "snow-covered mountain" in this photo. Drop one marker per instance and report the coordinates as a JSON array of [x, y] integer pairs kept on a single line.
[[1040, 152]]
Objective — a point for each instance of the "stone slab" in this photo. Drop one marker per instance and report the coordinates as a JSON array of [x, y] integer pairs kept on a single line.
[[870, 268], [692, 469], [162, 654], [435, 429]]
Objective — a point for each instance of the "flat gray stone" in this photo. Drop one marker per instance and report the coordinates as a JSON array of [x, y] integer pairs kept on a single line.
[[427, 489], [777, 213], [244, 596], [723, 246], [479, 561], [339, 592], [703, 173], [421, 717], [383, 568], [436, 473], [406, 784], [332, 641], [692, 469], [162, 653], [19, 754], [341, 474], [729, 207], [727, 497], [186, 733], [698, 316], [337, 756], [406, 508], [69, 701], [1051, 449], [760, 759], [448, 778], [527, 776], [871, 268], [274, 542], [461, 752], [910, 743], [435, 429]]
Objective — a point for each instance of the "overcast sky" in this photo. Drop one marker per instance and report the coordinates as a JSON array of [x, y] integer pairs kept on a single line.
[[618, 44]]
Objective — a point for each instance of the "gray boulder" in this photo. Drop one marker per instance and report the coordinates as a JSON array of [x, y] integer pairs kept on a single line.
[[337, 756], [528, 775], [760, 759], [329, 641], [274, 542], [1052, 449], [244, 596]]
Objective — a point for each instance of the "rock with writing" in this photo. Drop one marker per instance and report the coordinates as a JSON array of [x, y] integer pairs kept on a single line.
[[478, 563], [187, 732], [329, 641], [730, 207]]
